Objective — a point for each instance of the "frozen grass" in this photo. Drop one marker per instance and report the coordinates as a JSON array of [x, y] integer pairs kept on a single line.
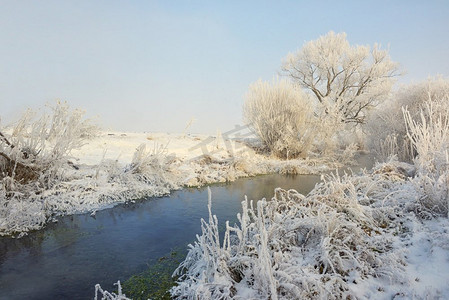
[[87, 189], [105, 295], [378, 235], [381, 235], [430, 138], [387, 129], [352, 237]]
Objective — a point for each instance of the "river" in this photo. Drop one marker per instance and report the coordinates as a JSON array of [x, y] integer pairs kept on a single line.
[[66, 259]]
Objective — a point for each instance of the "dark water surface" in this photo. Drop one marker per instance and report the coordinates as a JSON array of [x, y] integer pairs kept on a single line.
[[66, 259]]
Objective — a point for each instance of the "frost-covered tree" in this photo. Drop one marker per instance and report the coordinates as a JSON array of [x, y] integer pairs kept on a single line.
[[279, 114], [346, 81]]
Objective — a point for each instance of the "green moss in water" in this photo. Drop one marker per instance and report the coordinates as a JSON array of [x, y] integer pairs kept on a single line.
[[155, 282]]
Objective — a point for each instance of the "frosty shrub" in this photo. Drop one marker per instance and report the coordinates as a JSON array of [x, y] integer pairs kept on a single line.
[[153, 161], [33, 150], [292, 247], [34, 158], [344, 81], [429, 136], [150, 173], [387, 133], [281, 117]]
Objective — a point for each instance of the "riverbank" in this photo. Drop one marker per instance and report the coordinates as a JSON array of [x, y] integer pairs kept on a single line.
[[116, 167], [374, 235], [66, 259]]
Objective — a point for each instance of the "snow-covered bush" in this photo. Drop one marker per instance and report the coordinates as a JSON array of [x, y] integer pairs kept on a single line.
[[34, 158], [280, 115], [430, 138], [292, 247], [414, 126], [152, 172], [387, 133], [153, 166], [39, 180], [35, 148]]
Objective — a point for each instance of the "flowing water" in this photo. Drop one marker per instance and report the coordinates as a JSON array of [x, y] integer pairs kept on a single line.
[[66, 259]]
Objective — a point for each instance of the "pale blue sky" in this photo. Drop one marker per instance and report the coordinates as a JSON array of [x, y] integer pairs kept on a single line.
[[153, 65]]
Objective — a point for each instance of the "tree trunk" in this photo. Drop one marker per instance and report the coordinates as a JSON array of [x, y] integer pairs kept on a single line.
[[17, 170], [10, 167]]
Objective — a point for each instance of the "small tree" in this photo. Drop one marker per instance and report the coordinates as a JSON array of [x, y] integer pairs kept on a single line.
[[345, 80], [281, 116]]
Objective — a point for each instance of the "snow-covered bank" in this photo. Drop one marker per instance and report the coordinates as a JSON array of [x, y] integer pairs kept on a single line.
[[115, 167], [366, 236], [353, 237], [377, 235]]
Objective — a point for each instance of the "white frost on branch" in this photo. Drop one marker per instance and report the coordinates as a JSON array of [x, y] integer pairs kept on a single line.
[[282, 118], [387, 132], [346, 81]]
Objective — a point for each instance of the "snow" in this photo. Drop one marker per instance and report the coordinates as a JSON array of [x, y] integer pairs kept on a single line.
[[116, 167], [352, 237], [120, 146], [426, 256], [375, 235]]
